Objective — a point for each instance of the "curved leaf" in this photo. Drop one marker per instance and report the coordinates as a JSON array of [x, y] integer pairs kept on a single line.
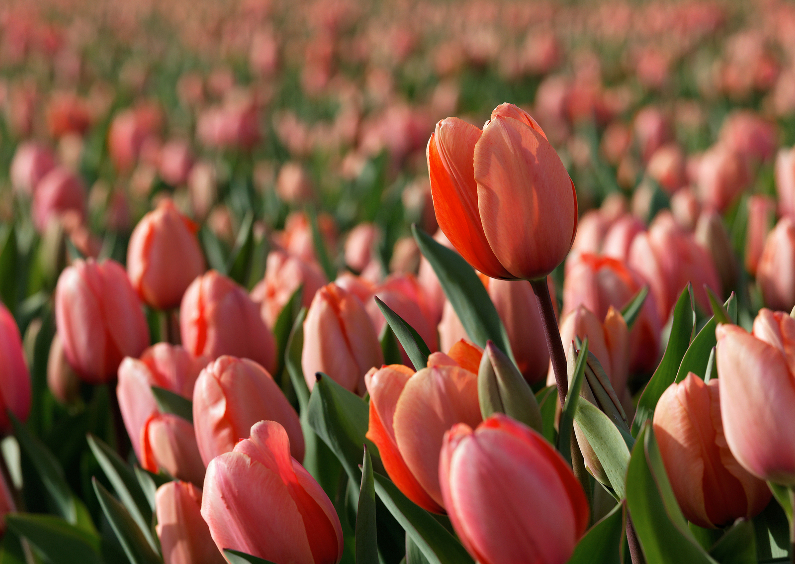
[[57, 540], [175, 404], [366, 536], [136, 546], [602, 543], [607, 442], [413, 344]]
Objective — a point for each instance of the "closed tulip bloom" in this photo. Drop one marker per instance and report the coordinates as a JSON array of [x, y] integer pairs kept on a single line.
[[712, 235], [667, 167], [62, 381], [15, 390], [618, 239], [30, 164], [775, 272], [59, 192], [409, 414], [164, 256], [710, 485], [168, 442], [722, 176], [217, 317], [510, 496], [757, 394], [184, 536], [231, 395], [502, 196], [259, 500], [360, 246], [175, 162], [99, 318], [785, 182], [339, 339], [761, 215]]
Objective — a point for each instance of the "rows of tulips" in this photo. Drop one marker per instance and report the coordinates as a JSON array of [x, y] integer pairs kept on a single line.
[[263, 300]]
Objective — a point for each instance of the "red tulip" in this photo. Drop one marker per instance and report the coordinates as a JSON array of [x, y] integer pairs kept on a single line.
[[15, 386], [231, 395], [184, 536], [510, 495], [99, 318], [502, 196], [259, 500]]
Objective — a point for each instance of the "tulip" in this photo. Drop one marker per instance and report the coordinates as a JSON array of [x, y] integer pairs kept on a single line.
[[667, 167], [712, 235], [297, 239], [168, 442], [184, 536], [409, 414], [711, 487], [294, 185], [175, 162], [652, 130], [59, 192], [686, 208], [62, 381], [231, 395], [66, 113], [618, 239], [30, 164], [128, 132], [510, 496], [785, 182], [761, 214], [722, 176], [749, 135], [494, 192], [260, 501], [99, 318], [775, 272], [339, 339], [15, 389], [164, 256], [757, 394], [217, 317], [360, 245]]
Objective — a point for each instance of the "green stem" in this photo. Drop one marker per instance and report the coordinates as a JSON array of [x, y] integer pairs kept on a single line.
[[552, 333]]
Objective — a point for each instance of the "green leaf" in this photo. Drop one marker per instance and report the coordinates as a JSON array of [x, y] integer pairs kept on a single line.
[[632, 310], [566, 426], [136, 546], [602, 542], [682, 326], [413, 553], [466, 293], [696, 358], [413, 344], [437, 544], [659, 523], [11, 549], [320, 247], [366, 536], [548, 404], [123, 479], [718, 311], [239, 264], [149, 483], [169, 402], [56, 540], [9, 269], [295, 345], [283, 327], [772, 534], [390, 347], [782, 495], [737, 545], [237, 557], [213, 249], [607, 442]]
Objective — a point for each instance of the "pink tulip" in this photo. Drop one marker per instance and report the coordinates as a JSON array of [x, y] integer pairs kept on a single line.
[[652, 130], [217, 317], [62, 381], [761, 213], [618, 239], [722, 176], [184, 536], [339, 339], [259, 500], [775, 272], [686, 208], [175, 162], [711, 487], [128, 132], [231, 395], [58, 192], [168, 442], [667, 167], [294, 185], [785, 182], [296, 238], [757, 394], [164, 256], [31, 162], [360, 246], [15, 389], [510, 495], [99, 318], [749, 135]]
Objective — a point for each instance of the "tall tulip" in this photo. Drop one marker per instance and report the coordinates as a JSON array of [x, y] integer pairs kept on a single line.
[[259, 500], [99, 318], [775, 272], [15, 387], [184, 536], [510, 495]]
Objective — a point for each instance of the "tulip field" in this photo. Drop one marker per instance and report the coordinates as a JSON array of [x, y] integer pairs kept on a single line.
[[397, 282]]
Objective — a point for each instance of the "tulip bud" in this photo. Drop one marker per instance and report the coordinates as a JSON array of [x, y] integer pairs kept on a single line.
[[184, 536], [749, 135], [711, 234], [260, 501], [164, 256], [62, 381], [99, 318], [175, 162], [776, 269], [667, 167], [15, 387], [509, 494], [339, 339], [60, 191], [686, 208], [761, 215], [169, 442], [722, 176], [231, 395], [30, 164], [217, 317], [294, 185]]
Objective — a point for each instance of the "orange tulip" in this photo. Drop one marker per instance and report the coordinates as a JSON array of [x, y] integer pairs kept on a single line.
[[501, 195]]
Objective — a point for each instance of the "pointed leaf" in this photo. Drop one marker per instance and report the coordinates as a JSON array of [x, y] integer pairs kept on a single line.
[[718, 311], [149, 483], [292, 360], [737, 545], [239, 264], [57, 540], [631, 311], [213, 249], [413, 553], [283, 327], [237, 557], [566, 426], [548, 404], [413, 344], [9, 269], [366, 537], [696, 358], [320, 247], [389, 346], [169, 402], [607, 443], [602, 543]]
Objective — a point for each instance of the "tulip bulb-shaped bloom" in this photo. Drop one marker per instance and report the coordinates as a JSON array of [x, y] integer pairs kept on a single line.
[[761, 214], [339, 339], [510, 496], [502, 196], [14, 376], [30, 164], [99, 318], [775, 272], [168, 442], [259, 500], [184, 536], [58, 193], [757, 394], [164, 256], [217, 317], [231, 395], [710, 485]]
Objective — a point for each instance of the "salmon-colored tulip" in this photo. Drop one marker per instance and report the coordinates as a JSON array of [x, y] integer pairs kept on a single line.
[[775, 272], [175, 162], [260, 501], [722, 176], [686, 208], [761, 214], [15, 389], [339, 339], [710, 485], [294, 184], [164, 256], [231, 395], [757, 394], [750, 135], [510, 496], [31, 162], [652, 129], [297, 239], [618, 239], [409, 414], [184, 536], [168, 442], [59, 192], [99, 318], [785, 182], [217, 317], [712, 235], [502, 196], [360, 245], [62, 381]]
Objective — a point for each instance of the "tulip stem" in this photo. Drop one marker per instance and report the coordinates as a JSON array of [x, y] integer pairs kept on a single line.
[[552, 333], [635, 552]]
